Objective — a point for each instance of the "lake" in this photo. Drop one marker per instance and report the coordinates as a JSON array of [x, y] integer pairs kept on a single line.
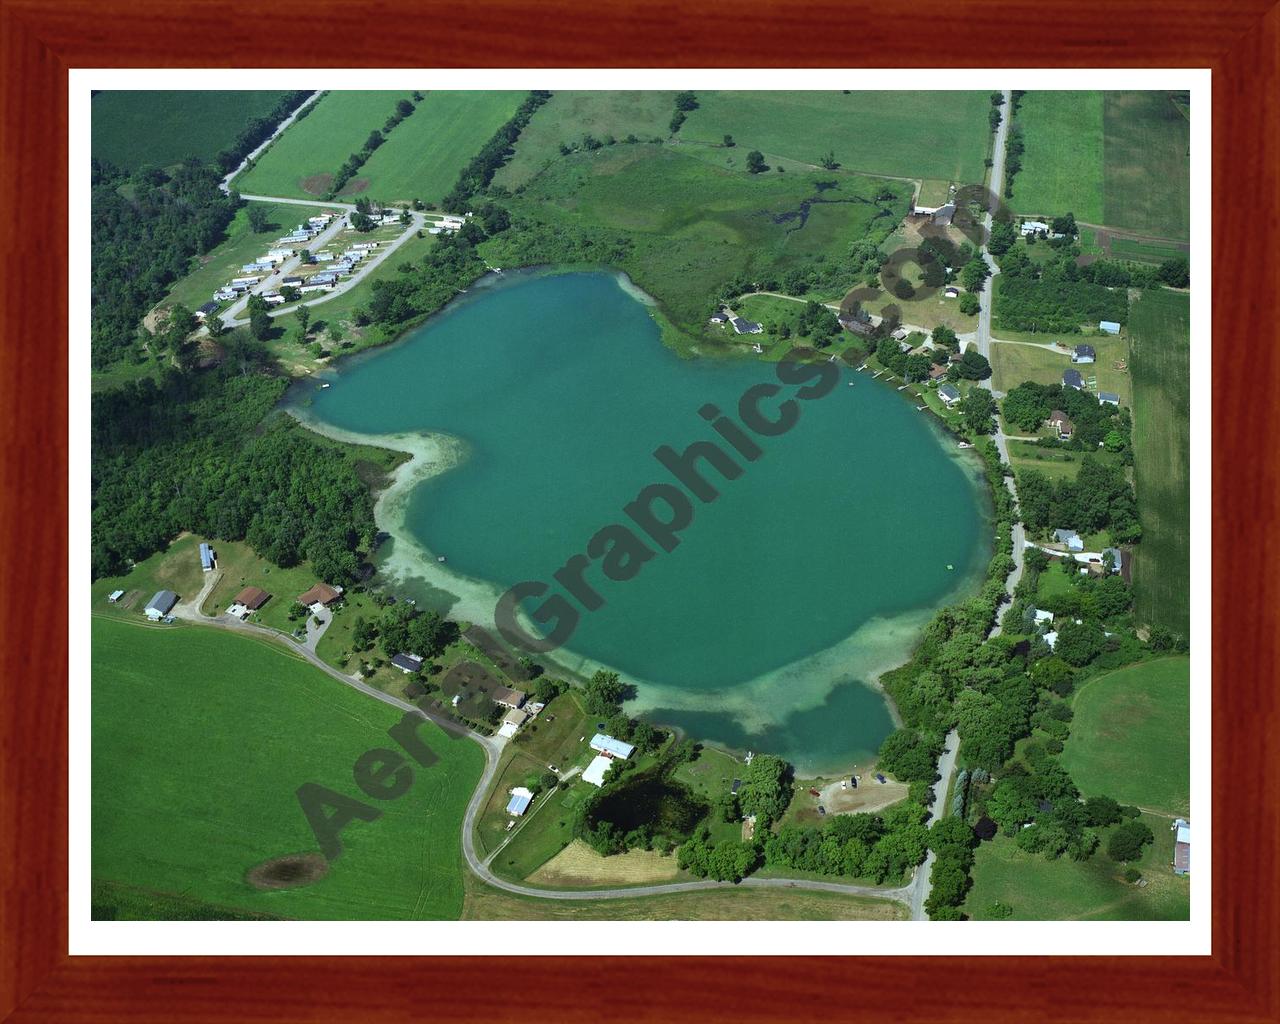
[[811, 572]]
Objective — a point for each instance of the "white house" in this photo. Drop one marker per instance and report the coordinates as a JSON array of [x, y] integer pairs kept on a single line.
[[1043, 616], [1083, 354], [1108, 327], [1051, 639], [595, 771], [1031, 227], [610, 747], [949, 394]]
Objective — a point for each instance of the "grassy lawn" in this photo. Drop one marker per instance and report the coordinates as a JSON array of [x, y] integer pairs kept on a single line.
[[1012, 363], [693, 225], [162, 127], [242, 245], [177, 568], [1062, 163], [1130, 738], [301, 162], [710, 777], [942, 136], [1064, 890], [731, 903], [1146, 169], [241, 568], [1055, 463], [184, 804], [568, 116], [424, 153], [1052, 582], [1160, 327]]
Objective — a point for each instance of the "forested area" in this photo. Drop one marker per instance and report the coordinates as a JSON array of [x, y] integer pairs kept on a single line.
[[1099, 498], [191, 452], [424, 287], [1055, 304], [146, 226]]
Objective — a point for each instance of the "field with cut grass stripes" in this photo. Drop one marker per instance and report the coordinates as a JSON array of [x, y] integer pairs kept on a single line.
[[158, 128], [423, 154], [307, 151], [200, 740], [1160, 350]]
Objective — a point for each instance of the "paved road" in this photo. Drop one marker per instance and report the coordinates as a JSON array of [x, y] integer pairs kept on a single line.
[[922, 883], [225, 184]]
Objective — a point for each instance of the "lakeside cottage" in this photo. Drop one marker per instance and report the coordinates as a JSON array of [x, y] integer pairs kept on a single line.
[[742, 326], [610, 747], [949, 394]]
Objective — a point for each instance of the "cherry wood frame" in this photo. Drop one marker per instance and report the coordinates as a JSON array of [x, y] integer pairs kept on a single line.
[[40, 39]]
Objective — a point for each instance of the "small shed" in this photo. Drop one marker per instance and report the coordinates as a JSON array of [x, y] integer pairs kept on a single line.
[[1108, 327], [115, 596], [206, 557], [1108, 398]]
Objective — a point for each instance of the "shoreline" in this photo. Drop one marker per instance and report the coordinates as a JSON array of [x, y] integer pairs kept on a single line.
[[885, 642]]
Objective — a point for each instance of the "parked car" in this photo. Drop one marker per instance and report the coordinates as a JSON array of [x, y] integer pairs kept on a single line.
[[821, 809], [853, 781], [880, 778]]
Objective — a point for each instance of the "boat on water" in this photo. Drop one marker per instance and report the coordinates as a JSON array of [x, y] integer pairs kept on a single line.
[[326, 385], [964, 444]]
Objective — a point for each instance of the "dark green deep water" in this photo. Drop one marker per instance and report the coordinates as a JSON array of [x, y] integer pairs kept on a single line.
[[811, 572]]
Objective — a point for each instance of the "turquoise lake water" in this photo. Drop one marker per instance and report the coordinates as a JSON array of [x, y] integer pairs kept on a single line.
[[812, 572]]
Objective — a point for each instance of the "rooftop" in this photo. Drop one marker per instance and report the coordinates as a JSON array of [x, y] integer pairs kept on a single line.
[[595, 771], [252, 598], [612, 747]]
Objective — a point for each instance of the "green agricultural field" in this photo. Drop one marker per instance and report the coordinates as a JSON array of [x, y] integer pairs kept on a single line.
[[691, 226], [1062, 163], [1038, 889], [1145, 252], [1130, 738], [200, 739], [242, 245], [1146, 165], [301, 163], [424, 153], [1117, 158], [568, 116], [1159, 325], [934, 135], [159, 128]]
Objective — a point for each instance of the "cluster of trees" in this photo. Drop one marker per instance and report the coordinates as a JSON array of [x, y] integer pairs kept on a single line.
[[1014, 146], [1028, 405], [403, 627], [978, 410], [449, 266], [191, 452], [532, 242], [258, 130], [604, 693], [144, 229], [479, 172], [729, 860], [993, 115], [376, 138], [952, 842], [1053, 297], [765, 790], [815, 322], [1099, 498], [878, 847], [685, 102]]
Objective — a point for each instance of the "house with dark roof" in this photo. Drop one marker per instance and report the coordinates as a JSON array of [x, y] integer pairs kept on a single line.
[[1108, 398], [1117, 558], [1072, 379], [943, 215], [742, 326], [937, 371], [407, 663], [208, 309], [949, 394], [1084, 354], [1061, 422]]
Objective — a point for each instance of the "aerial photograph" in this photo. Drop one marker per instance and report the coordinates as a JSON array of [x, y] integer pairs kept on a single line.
[[612, 505]]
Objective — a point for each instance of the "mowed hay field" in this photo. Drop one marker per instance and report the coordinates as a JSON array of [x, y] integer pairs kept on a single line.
[[320, 143], [1131, 736], [940, 135], [1146, 164], [424, 153], [200, 740], [579, 866], [570, 115], [1062, 162], [158, 128], [729, 903], [1116, 158], [1160, 344]]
